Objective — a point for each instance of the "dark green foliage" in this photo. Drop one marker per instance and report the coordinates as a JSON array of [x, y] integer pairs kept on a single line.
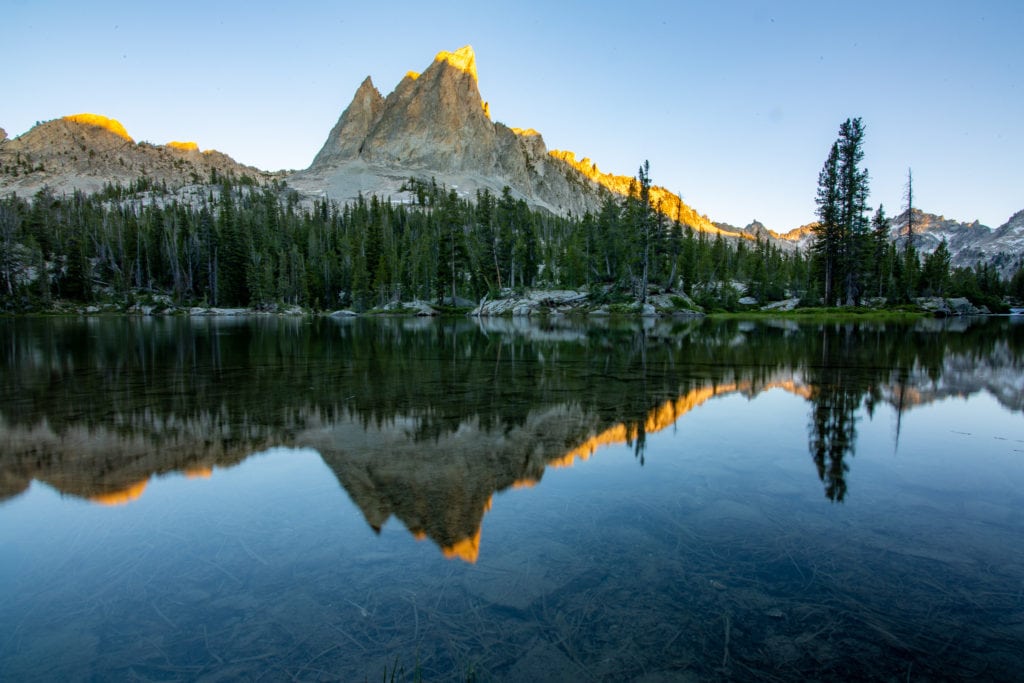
[[1016, 288], [935, 272], [842, 240]]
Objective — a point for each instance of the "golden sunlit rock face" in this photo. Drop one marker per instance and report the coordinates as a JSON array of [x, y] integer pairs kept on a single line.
[[525, 132], [467, 550], [121, 497], [103, 122], [183, 146], [664, 201], [463, 59], [199, 473]]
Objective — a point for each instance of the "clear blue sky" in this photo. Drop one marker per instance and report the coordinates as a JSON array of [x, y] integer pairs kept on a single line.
[[735, 104]]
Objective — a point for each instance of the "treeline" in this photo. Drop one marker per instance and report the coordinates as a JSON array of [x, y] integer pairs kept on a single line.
[[238, 244], [853, 258]]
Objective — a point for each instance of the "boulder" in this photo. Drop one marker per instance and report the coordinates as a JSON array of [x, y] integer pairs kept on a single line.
[[421, 308], [958, 306], [961, 306], [785, 305], [457, 301]]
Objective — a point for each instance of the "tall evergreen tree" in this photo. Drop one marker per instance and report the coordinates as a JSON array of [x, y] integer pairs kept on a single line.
[[935, 271], [880, 268], [908, 195], [644, 226], [827, 231], [842, 228], [853, 187]]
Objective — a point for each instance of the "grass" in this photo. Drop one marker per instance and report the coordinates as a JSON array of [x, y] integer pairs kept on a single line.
[[832, 314]]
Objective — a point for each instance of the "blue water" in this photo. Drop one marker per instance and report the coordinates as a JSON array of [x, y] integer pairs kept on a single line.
[[707, 548]]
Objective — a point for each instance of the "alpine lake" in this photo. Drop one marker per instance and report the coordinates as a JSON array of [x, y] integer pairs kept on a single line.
[[260, 498]]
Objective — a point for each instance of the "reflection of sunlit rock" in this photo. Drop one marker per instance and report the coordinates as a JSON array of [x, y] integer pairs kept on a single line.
[[112, 466], [443, 493], [199, 472], [441, 489], [121, 497]]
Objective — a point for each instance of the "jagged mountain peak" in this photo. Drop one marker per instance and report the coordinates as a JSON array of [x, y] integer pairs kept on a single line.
[[435, 124], [435, 119], [355, 123], [463, 59]]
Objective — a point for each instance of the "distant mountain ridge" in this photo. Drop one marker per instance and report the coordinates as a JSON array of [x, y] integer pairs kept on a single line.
[[87, 151], [968, 243]]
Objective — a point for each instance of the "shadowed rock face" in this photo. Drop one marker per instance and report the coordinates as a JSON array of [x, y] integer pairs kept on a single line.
[[355, 124]]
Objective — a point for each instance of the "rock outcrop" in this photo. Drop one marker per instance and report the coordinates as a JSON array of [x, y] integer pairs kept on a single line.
[[942, 307], [570, 302]]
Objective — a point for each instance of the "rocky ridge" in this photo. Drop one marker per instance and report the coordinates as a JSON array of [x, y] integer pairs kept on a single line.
[[968, 243], [87, 151]]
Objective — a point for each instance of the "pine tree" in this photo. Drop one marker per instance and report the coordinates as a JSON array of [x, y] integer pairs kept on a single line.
[[643, 227], [841, 234], [908, 195], [853, 187], [827, 231], [935, 271], [9, 223], [880, 269]]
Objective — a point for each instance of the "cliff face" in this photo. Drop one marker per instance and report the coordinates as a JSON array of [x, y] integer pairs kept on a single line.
[[436, 125], [355, 124]]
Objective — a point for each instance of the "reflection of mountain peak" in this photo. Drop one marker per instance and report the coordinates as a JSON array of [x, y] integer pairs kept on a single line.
[[442, 491], [426, 424]]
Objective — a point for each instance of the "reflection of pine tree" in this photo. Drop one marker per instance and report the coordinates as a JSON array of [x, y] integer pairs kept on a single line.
[[837, 394], [833, 433]]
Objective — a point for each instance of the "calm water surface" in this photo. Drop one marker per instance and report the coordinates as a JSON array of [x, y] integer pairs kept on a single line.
[[283, 499]]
